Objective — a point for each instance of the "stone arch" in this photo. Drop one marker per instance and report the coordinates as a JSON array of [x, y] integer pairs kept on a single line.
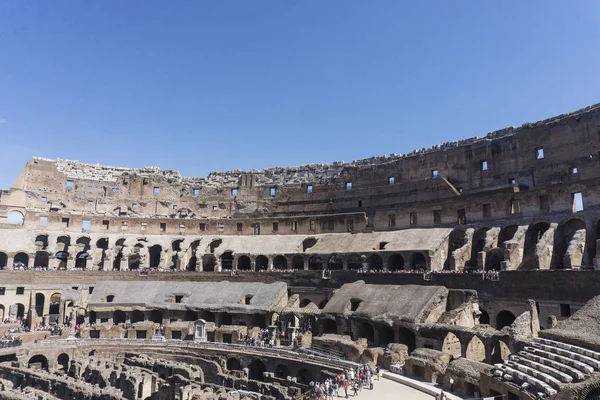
[[227, 260], [233, 364], [280, 263], [208, 316], [256, 370], [297, 262], [2, 311], [304, 376], [261, 263], [226, 319], [54, 309], [478, 244], [39, 361], [494, 258], [134, 261], [365, 330], [244, 263], [190, 315], [315, 263], [335, 263], [119, 317], [21, 311], [418, 262], [63, 362], [154, 253], [40, 301], [452, 345], [504, 318], [308, 243], [137, 316], [375, 262], [215, 243], [81, 260], [3, 260], [407, 337], [500, 352], [305, 302], [328, 325], [41, 241], [21, 260], [208, 263], [507, 233], [395, 262], [484, 318], [532, 236], [572, 229], [282, 371], [386, 335], [258, 320], [15, 218], [42, 259], [475, 350], [355, 262], [83, 242], [323, 303]]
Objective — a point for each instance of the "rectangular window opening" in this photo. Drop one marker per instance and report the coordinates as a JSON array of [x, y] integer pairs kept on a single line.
[[124, 226], [577, 199], [156, 190], [85, 226], [484, 165], [163, 226], [487, 210], [539, 153], [392, 220], [435, 173], [69, 185], [202, 227], [105, 224], [115, 190], [515, 207], [311, 225], [65, 222], [565, 310], [43, 222], [275, 226], [574, 170], [234, 192], [544, 203], [215, 208], [44, 199], [461, 216], [240, 226], [90, 203], [196, 192], [20, 290], [391, 180], [413, 218], [437, 216], [220, 227], [309, 189], [294, 226], [272, 191], [348, 185]]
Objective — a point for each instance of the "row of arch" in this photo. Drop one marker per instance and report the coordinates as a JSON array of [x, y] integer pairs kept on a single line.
[[257, 368]]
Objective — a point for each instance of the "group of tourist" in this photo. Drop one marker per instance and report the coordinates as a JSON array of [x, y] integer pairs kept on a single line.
[[350, 381], [262, 340], [10, 341]]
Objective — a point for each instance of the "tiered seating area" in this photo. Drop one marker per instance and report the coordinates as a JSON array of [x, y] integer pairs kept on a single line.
[[545, 365]]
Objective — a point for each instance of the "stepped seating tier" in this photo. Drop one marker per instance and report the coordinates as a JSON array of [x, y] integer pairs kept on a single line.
[[511, 373], [555, 373]]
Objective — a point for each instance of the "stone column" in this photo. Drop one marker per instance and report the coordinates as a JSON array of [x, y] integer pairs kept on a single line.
[[31, 262], [481, 260], [9, 262], [306, 264], [345, 264]]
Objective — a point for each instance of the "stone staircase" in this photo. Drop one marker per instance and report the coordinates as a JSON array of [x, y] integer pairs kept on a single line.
[[544, 365]]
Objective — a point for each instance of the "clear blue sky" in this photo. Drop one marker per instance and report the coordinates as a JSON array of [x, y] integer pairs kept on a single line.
[[215, 85]]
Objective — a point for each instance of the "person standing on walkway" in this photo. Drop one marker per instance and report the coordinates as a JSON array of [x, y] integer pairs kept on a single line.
[[355, 387], [451, 385]]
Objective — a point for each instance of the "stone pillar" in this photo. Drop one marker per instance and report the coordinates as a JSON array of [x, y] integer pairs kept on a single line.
[[124, 264], [481, 260], [31, 262], [70, 262], [306, 264], [9, 262], [345, 264], [252, 265]]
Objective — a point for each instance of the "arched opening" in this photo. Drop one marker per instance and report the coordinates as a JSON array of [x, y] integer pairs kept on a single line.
[[134, 261], [38, 362], [21, 260], [2, 312], [282, 371], [280, 263], [328, 326], [117, 259], [297, 262], [315, 263], [233, 364], [40, 299], [407, 337], [190, 315], [261, 263], [456, 240], [41, 242], [214, 244], [500, 352], [256, 370], [244, 263], [226, 319], [81, 260], [452, 345], [366, 331], [308, 243], [92, 315], [119, 317], [207, 316], [322, 304], [594, 394], [258, 321], [484, 318], [154, 256], [504, 318], [507, 233], [335, 263], [305, 302], [137, 316], [63, 243], [355, 262], [3, 260], [386, 335], [156, 316], [418, 262], [63, 362], [192, 264], [396, 262], [532, 236], [478, 245], [304, 376], [208, 263], [42, 259], [62, 257], [494, 258], [54, 307], [572, 231], [476, 350], [227, 260], [375, 262], [15, 218], [102, 243]]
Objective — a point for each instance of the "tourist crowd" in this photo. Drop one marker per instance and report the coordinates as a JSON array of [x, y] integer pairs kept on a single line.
[[10, 341], [350, 381]]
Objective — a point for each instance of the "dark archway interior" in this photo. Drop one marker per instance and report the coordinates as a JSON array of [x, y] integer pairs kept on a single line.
[[280, 263], [418, 262], [119, 317], [227, 260], [504, 318], [396, 262], [315, 263], [244, 263], [256, 370], [261, 263], [328, 326], [297, 262]]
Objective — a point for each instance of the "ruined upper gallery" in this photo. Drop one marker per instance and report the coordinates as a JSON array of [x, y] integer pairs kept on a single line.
[[527, 171]]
